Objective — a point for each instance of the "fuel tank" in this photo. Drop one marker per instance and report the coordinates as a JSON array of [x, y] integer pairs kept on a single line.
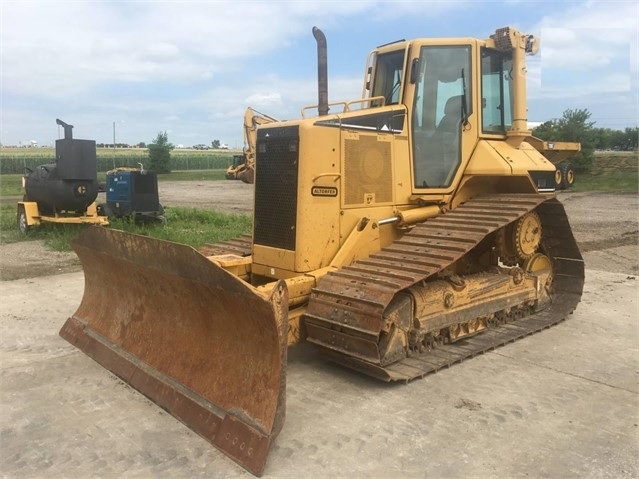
[[54, 194]]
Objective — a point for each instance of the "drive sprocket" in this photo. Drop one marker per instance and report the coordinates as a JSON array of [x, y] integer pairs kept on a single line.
[[527, 235], [519, 240]]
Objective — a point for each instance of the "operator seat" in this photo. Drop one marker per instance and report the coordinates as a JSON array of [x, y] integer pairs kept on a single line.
[[452, 116], [437, 156]]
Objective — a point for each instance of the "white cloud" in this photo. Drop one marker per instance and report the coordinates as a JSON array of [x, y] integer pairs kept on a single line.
[[97, 42], [261, 100], [194, 66], [585, 48], [85, 59], [588, 59], [590, 35]]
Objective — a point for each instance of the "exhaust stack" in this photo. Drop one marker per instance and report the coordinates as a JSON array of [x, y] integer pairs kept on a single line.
[[68, 129], [322, 72]]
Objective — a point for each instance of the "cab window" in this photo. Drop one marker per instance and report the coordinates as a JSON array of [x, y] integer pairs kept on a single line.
[[496, 91], [442, 103], [388, 76]]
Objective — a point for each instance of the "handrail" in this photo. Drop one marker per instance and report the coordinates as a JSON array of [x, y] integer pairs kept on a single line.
[[347, 104]]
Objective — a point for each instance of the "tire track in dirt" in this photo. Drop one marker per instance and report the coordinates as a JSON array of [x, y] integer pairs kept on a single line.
[[625, 239]]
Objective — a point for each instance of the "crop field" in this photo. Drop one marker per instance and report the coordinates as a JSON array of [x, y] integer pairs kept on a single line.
[[15, 160]]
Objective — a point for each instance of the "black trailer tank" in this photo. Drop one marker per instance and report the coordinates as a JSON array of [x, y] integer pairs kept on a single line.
[[71, 183]]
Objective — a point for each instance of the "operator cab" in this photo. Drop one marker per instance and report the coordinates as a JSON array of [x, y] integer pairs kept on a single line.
[[440, 96]]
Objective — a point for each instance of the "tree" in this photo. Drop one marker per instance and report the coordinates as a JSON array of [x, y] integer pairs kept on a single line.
[[608, 139], [573, 126], [160, 153], [547, 130], [215, 144], [631, 140]]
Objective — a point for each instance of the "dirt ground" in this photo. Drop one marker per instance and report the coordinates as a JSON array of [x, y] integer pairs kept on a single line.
[[605, 225]]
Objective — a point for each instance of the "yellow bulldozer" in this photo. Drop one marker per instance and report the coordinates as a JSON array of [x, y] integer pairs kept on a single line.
[[401, 233]]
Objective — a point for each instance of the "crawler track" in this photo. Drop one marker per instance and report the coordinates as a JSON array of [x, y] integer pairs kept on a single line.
[[344, 314], [239, 246]]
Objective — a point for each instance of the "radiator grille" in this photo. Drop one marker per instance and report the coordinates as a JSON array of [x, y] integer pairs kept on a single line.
[[368, 174], [275, 214]]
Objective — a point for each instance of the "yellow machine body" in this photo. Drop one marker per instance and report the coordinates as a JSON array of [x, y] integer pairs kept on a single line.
[[387, 234]]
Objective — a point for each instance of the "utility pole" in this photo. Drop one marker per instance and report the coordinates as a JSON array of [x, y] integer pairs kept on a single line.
[[113, 145]]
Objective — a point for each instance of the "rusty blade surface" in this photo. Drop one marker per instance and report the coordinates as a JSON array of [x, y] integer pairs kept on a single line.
[[195, 339]]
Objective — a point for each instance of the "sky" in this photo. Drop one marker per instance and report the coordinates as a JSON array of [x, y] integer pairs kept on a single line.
[[191, 68]]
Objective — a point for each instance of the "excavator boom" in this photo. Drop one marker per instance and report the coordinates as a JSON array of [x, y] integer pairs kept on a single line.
[[245, 169]]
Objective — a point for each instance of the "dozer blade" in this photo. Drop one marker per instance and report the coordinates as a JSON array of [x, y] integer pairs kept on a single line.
[[195, 339]]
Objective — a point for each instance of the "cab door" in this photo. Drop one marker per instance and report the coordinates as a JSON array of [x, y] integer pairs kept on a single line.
[[441, 115]]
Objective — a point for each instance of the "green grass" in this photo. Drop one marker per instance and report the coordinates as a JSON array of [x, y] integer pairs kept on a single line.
[[608, 182], [11, 185], [183, 225], [191, 226], [612, 172]]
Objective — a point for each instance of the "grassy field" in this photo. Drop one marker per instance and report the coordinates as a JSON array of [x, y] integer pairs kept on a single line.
[[609, 182], [189, 226], [183, 225], [613, 172]]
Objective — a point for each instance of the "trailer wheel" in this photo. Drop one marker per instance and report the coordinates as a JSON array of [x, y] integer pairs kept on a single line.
[[105, 209], [569, 176], [23, 226], [559, 179]]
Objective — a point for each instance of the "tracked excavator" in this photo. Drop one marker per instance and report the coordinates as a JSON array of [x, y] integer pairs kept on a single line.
[[401, 233], [243, 167]]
